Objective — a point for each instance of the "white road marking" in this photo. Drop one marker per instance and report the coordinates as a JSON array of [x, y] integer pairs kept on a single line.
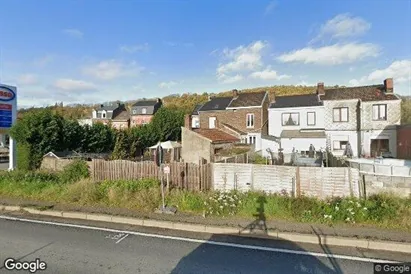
[[252, 247], [119, 240]]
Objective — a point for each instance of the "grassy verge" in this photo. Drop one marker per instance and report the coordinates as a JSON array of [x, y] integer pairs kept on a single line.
[[72, 186]]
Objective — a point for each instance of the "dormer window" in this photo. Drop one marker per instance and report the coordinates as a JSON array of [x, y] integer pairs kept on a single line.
[[103, 115], [144, 111]]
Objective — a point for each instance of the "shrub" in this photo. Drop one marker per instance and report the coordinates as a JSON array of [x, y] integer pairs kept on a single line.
[[23, 157], [75, 171], [186, 200], [83, 192]]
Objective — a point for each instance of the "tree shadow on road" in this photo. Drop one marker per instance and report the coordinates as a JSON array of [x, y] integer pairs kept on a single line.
[[239, 254]]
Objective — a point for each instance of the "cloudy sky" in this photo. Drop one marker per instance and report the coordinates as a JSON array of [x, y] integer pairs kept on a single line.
[[99, 50]]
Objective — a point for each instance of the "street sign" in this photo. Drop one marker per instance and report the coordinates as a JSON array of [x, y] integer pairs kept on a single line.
[[166, 170]]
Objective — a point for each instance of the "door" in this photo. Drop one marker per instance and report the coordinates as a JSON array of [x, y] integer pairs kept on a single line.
[[211, 122]]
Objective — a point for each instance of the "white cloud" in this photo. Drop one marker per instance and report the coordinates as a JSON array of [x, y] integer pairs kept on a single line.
[[169, 84], [270, 7], [231, 79], [134, 48], [73, 85], [331, 55], [343, 26], [242, 58], [75, 33], [112, 69], [178, 44], [399, 70], [268, 74], [27, 79]]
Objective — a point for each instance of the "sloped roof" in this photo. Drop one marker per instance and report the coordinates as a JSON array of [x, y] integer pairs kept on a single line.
[[306, 100], [196, 109], [233, 129], [145, 103], [365, 93], [216, 135], [302, 134], [216, 103], [122, 116], [248, 99]]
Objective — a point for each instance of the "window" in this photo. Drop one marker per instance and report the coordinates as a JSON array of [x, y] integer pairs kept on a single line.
[[250, 120], [134, 111], [310, 118], [212, 122], [144, 111], [379, 112], [251, 139], [340, 114], [291, 119], [339, 145], [104, 115]]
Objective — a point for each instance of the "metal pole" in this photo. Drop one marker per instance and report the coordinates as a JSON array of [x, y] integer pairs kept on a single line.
[[168, 182]]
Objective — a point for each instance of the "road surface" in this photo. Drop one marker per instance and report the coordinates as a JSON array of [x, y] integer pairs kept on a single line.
[[79, 249]]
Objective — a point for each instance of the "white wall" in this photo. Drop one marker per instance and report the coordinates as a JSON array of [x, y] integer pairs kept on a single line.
[[83, 122], [346, 135], [302, 144], [275, 119], [265, 144], [391, 135]]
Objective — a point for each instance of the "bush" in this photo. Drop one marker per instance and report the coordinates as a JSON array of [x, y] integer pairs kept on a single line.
[[75, 171], [23, 157], [222, 203], [186, 200]]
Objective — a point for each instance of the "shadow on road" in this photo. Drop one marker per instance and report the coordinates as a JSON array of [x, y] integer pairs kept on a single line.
[[212, 257]]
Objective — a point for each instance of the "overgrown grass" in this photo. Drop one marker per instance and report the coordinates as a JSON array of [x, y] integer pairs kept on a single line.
[[72, 186]]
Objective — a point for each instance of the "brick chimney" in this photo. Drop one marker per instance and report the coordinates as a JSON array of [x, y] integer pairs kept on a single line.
[[389, 85], [235, 93], [273, 99], [187, 121], [320, 88]]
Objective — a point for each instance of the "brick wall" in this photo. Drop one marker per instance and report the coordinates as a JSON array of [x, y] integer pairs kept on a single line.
[[237, 119]]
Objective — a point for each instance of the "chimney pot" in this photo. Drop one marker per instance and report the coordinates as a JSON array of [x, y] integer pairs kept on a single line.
[[320, 88], [101, 106], [389, 85]]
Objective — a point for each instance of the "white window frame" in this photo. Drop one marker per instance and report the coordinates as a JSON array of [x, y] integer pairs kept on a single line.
[[214, 119], [314, 118], [134, 111], [288, 115], [340, 119], [144, 111], [377, 112], [250, 120], [338, 146]]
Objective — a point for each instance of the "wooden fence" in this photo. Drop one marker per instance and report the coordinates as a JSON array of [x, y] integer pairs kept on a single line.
[[182, 175]]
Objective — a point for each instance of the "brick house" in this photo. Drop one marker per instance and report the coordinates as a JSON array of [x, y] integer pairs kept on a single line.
[[143, 111], [200, 145], [243, 115], [106, 113], [121, 120]]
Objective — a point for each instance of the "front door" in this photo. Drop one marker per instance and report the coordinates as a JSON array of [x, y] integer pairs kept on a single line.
[[211, 122]]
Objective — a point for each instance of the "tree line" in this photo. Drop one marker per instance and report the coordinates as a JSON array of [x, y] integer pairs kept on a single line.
[[44, 130]]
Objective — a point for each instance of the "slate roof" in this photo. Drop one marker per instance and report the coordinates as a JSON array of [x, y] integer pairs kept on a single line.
[[302, 134], [248, 99], [216, 103], [196, 109], [306, 100], [145, 103], [122, 116], [108, 107], [365, 93], [216, 135]]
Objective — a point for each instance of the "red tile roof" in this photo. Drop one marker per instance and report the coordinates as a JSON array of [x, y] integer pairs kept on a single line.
[[216, 135], [365, 93]]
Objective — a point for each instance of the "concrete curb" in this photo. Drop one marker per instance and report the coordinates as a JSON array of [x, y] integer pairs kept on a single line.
[[293, 237]]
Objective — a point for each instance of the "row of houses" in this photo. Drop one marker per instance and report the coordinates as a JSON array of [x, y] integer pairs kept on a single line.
[[365, 118], [120, 117]]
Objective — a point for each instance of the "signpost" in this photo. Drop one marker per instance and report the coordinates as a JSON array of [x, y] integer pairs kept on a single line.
[[8, 117], [167, 172]]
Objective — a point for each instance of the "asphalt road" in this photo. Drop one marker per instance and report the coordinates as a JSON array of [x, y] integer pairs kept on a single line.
[[84, 250]]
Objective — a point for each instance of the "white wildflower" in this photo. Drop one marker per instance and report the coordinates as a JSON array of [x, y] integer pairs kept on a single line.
[[365, 208], [348, 219], [337, 208]]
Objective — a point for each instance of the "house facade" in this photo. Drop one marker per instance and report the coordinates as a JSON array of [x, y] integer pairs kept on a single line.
[[142, 112], [297, 122], [366, 117], [105, 113], [243, 115], [122, 120]]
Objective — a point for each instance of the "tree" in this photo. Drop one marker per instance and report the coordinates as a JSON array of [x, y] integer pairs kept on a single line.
[[39, 133], [167, 123], [98, 138], [73, 135], [122, 146]]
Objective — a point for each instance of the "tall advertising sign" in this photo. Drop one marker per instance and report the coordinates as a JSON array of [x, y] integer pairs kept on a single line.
[[8, 116]]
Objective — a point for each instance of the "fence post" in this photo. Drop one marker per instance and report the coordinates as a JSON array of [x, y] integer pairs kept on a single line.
[[297, 181]]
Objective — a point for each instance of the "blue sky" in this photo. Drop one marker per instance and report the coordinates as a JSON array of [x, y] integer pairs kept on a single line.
[[98, 50]]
